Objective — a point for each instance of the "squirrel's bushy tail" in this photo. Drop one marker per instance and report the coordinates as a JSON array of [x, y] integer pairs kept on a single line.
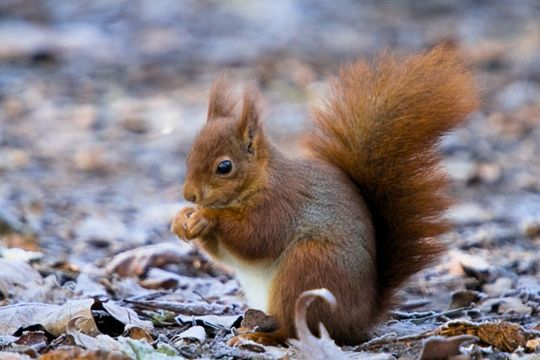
[[381, 125]]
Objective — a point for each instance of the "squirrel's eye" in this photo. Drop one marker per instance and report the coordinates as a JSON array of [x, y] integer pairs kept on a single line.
[[224, 167]]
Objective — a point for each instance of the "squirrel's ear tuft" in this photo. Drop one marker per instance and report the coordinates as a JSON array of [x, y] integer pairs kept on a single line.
[[248, 125], [220, 104]]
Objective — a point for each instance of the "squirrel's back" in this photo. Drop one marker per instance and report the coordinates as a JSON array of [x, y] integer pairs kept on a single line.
[[381, 125]]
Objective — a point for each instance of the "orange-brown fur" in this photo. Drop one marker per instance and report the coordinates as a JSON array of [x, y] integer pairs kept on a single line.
[[359, 216]]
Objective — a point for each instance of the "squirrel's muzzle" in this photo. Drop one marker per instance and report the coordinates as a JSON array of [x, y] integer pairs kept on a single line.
[[191, 194]]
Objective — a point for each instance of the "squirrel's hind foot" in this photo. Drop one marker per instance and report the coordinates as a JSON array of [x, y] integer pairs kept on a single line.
[[263, 338]]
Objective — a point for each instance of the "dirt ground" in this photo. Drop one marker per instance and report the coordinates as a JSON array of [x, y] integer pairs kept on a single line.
[[100, 100]]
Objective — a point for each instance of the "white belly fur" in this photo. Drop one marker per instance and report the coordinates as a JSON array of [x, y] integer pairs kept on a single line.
[[254, 278]]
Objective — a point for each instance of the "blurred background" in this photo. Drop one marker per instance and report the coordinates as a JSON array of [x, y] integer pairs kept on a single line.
[[100, 100]]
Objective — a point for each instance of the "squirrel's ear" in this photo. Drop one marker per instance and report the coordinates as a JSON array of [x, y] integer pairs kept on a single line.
[[248, 126], [220, 104]]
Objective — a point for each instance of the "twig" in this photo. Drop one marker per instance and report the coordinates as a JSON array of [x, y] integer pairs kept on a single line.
[[182, 308], [384, 340], [201, 296], [417, 318]]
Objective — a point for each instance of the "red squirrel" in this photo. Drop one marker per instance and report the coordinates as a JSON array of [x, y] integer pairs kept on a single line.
[[358, 215]]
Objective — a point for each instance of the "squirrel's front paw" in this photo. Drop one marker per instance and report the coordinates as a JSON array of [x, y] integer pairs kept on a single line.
[[190, 223], [179, 224], [197, 225]]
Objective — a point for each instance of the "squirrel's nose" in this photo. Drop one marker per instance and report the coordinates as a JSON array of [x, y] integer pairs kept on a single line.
[[191, 194]]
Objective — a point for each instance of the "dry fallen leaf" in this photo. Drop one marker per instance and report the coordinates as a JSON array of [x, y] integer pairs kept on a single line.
[[37, 340], [533, 345], [505, 306], [193, 334], [20, 283], [76, 353], [53, 318], [18, 252], [89, 287], [157, 278], [137, 333], [137, 261], [465, 298], [17, 273], [184, 308], [97, 342], [128, 287], [503, 335], [4, 355], [126, 316], [6, 340], [472, 265], [213, 321], [498, 288], [257, 320]]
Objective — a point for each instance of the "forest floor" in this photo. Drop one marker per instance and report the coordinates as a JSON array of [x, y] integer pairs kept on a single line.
[[100, 100]]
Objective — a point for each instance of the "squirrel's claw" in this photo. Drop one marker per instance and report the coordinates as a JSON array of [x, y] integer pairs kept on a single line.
[[179, 224]]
